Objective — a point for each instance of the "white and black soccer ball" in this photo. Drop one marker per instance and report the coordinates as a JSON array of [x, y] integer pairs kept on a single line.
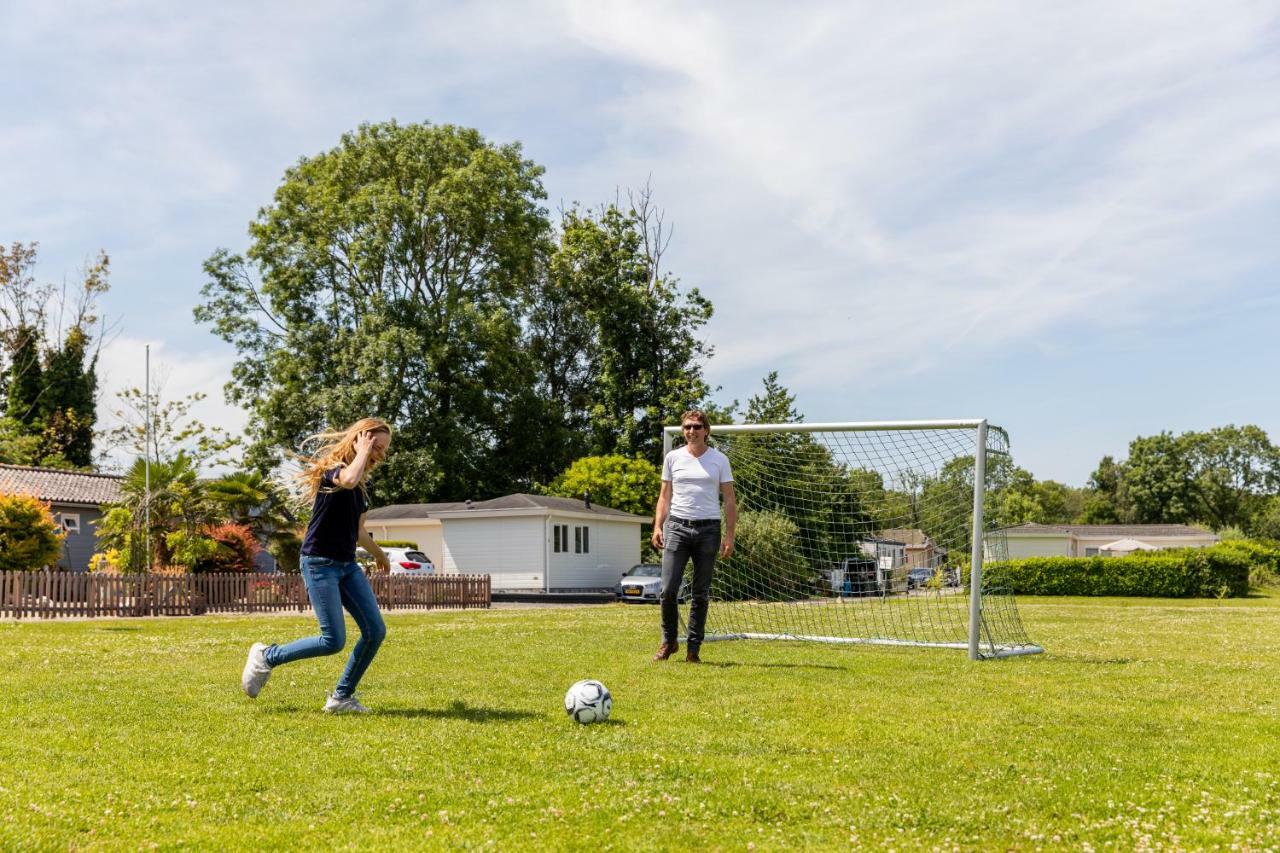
[[588, 701]]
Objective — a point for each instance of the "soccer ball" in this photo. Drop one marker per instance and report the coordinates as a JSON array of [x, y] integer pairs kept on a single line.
[[588, 701]]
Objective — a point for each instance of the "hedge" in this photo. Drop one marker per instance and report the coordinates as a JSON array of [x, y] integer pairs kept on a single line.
[[1219, 571], [396, 543]]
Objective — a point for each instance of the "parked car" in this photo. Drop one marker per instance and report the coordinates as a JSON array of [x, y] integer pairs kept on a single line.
[[408, 561], [920, 576], [643, 582]]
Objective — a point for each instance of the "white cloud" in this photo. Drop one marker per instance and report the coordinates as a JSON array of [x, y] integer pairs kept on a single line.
[[969, 175]]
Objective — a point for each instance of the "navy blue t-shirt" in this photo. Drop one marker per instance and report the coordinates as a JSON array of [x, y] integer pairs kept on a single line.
[[335, 520]]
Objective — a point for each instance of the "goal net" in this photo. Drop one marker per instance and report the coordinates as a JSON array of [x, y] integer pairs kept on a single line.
[[865, 533]]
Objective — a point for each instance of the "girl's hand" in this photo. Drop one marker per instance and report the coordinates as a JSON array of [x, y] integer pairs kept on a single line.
[[364, 443]]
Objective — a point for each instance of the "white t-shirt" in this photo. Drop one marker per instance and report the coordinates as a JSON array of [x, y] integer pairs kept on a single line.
[[695, 482]]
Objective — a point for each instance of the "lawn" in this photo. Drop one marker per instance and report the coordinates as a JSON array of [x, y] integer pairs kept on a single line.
[[1148, 723]]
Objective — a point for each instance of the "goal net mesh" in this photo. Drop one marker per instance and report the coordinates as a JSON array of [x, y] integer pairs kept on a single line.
[[860, 535]]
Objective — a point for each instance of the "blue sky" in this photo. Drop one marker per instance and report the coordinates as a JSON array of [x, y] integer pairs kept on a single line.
[[1064, 218]]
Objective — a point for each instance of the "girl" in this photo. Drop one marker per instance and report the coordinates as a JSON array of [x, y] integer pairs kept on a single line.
[[334, 478]]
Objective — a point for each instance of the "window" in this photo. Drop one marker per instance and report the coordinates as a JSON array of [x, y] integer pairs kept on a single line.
[[581, 540], [560, 538], [71, 523], [1091, 552]]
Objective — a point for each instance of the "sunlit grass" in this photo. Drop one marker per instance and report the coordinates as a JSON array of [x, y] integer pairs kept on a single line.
[[1147, 722]]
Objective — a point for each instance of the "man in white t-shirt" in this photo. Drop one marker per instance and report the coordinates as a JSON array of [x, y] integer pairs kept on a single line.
[[686, 526]]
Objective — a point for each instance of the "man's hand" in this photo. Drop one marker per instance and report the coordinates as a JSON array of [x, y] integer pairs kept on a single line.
[[657, 540], [381, 560], [726, 546]]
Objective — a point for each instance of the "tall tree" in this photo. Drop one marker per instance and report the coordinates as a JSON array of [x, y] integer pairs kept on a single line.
[[1103, 496], [51, 360], [773, 405], [1235, 470], [23, 304], [386, 279], [1158, 480], [617, 337], [67, 406]]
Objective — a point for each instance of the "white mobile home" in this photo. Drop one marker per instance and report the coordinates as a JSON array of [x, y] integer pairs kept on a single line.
[[523, 542], [1089, 540]]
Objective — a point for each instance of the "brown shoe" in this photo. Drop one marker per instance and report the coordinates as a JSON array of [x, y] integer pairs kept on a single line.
[[666, 650], [691, 656]]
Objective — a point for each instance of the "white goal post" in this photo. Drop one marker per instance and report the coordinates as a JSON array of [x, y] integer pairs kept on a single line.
[[865, 532]]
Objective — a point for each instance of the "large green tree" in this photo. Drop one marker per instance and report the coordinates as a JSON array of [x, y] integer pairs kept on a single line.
[[386, 279], [1158, 481], [1235, 471]]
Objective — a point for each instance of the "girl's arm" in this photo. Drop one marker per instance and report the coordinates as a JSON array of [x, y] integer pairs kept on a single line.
[[350, 475], [364, 540]]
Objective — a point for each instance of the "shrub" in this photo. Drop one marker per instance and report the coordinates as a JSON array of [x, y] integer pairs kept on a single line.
[[29, 536], [395, 543], [1183, 573], [236, 551], [1264, 559], [286, 547], [763, 539], [191, 549]]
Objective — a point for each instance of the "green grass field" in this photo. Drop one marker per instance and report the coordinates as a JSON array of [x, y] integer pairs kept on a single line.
[[1148, 724]]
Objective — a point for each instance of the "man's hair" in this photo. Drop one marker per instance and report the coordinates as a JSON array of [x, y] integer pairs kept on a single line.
[[699, 416]]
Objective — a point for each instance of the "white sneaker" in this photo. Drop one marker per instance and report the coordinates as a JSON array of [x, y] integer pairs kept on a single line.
[[256, 670], [350, 705]]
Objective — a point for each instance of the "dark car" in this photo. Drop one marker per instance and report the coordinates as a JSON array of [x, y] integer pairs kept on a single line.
[[922, 575]]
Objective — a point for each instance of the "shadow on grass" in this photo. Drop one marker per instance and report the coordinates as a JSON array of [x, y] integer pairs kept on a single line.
[[118, 628], [1089, 660], [727, 664], [458, 710]]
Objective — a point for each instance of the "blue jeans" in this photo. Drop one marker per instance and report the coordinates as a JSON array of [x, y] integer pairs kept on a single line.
[[333, 585]]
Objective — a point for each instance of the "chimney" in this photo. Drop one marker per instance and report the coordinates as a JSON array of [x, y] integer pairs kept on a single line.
[[469, 506], [586, 498]]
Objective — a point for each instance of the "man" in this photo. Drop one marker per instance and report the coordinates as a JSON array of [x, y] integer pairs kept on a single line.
[[686, 526]]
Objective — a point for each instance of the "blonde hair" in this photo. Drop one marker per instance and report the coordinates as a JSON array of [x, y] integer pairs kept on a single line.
[[334, 449]]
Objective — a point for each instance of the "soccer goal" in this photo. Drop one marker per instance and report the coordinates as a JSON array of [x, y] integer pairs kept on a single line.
[[865, 533]]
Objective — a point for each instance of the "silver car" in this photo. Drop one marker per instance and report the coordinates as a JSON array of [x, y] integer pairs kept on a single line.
[[643, 582]]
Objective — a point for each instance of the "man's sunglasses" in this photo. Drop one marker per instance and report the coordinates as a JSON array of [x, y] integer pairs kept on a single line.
[[691, 426]]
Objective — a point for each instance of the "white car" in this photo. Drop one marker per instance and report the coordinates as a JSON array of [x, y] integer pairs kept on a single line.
[[408, 561], [644, 583]]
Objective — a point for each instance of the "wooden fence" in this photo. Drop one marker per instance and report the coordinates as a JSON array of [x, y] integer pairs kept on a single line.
[[49, 595]]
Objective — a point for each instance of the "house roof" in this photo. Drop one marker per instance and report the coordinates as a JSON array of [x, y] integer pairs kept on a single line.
[[55, 486], [912, 536], [518, 501], [1136, 531]]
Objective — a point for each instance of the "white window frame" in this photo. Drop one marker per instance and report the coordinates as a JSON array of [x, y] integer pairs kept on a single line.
[[70, 522]]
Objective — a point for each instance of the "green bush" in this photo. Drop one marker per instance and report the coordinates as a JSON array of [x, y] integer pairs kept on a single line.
[[1216, 572], [29, 537], [286, 547], [393, 543], [770, 541], [1264, 559]]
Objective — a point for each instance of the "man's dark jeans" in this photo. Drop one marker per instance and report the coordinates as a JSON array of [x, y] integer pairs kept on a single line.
[[686, 540]]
